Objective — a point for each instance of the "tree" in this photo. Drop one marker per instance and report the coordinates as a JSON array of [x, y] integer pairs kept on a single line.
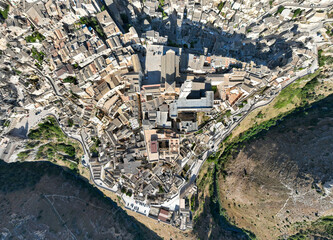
[[70, 79], [220, 6], [4, 13]]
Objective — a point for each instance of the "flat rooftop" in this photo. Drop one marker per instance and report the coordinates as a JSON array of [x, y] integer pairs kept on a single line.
[[154, 63]]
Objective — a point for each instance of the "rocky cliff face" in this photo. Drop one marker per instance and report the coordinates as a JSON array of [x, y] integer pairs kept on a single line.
[[42, 201], [284, 177]]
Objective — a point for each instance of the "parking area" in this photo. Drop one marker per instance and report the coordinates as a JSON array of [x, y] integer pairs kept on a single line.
[[136, 206]]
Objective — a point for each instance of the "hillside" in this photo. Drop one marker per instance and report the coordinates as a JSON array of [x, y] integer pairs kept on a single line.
[[282, 179], [43, 201]]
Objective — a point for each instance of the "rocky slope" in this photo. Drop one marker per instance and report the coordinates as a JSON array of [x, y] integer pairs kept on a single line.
[[42, 201], [284, 177]]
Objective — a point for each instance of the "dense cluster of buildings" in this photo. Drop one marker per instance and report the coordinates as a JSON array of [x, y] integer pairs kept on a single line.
[[143, 87]]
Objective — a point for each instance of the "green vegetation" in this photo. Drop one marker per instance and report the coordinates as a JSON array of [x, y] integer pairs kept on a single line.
[[288, 94], [280, 9], [199, 131], [68, 149], [32, 144], [322, 228], [172, 44], [160, 189], [126, 22], [330, 15], [34, 36], [6, 123], [129, 193], [17, 72], [297, 13], [38, 65], [214, 157], [4, 13], [102, 8], [192, 44], [324, 60], [73, 167], [242, 104], [160, 8], [221, 157], [47, 130], [51, 150], [215, 209], [70, 79], [186, 167], [74, 95], [184, 170], [94, 147], [224, 115], [92, 22], [228, 113], [260, 115], [193, 146], [192, 201], [214, 88], [70, 122], [60, 151], [271, 3], [329, 32], [23, 155], [39, 56], [231, 148], [220, 6], [52, 143]]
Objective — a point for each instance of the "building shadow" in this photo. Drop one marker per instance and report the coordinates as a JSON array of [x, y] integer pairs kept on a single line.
[[21, 132], [219, 42]]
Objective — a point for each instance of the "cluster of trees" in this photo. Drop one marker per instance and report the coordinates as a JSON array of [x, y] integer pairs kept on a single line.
[[127, 192], [39, 56], [35, 36], [324, 60], [49, 129], [92, 22], [23, 155], [322, 228], [70, 79], [50, 150]]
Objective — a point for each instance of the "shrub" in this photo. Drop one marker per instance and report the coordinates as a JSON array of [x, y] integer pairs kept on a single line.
[[34, 36], [280, 9], [4, 13], [39, 56], [220, 6], [70, 79]]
